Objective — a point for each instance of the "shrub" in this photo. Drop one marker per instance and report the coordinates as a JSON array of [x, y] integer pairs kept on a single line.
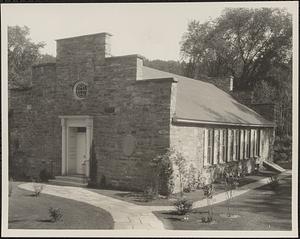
[[283, 148], [38, 188], [207, 219], [150, 192], [180, 162], [192, 182], [93, 166], [183, 206], [103, 181], [55, 214], [162, 169], [274, 182], [44, 175]]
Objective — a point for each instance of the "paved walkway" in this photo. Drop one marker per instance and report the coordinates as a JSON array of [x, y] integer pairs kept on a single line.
[[131, 216]]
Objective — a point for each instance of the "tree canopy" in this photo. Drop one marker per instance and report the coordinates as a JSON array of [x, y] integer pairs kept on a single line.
[[22, 54], [245, 43]]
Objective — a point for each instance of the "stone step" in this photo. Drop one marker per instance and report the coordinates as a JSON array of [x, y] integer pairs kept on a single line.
[[67, 183], [274, 166], [71, 178]]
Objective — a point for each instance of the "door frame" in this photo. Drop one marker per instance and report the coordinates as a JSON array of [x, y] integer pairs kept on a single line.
[[68, 121]]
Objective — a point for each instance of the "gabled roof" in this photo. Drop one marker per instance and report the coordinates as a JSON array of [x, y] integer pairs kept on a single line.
[[201, 101]]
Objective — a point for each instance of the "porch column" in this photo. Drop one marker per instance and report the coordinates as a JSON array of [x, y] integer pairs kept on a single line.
[[63, 142]]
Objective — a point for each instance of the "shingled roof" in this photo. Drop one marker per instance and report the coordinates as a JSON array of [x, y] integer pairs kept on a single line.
[[203, 102]]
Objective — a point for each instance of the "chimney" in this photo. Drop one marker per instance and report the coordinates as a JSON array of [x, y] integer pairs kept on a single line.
[[223, 83], [84, 48]]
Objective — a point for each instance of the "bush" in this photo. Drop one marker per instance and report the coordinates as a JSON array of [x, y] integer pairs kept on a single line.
[[55, 214], [192, 182], [44, 175], [150, 192], [162, 169], [183, 206], [93, 166], [283, 148]]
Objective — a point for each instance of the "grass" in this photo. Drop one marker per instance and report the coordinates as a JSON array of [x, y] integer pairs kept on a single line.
[[29, 212], [139, 198], [259, 209]]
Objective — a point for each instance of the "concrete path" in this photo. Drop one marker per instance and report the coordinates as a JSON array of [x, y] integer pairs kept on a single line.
[[126, 215], [131, 216]]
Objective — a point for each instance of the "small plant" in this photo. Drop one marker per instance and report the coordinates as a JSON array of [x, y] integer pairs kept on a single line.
[[207, 219], [208, 191], [231, 180], [38, 188], [274, 182], [183, 206], [55, 214]]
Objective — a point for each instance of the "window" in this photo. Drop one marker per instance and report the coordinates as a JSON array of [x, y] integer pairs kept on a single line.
[[226, 145], [248, 142], [216, 146], [223, 141], [80, 90], [234, 145], [237, 144], [245, 144], [257, 153], [230, 146], [208, 146], [242, 139], [254, 143]]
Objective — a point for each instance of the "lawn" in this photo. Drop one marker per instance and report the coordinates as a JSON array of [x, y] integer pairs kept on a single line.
[[139, 198], [29, 212], [258, 209]]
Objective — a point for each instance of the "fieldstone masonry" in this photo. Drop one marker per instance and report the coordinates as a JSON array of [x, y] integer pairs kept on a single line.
[[132, 116]]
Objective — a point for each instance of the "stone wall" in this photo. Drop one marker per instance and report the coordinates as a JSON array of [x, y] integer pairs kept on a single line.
[[33, 125], [188, 139], [131, 118]]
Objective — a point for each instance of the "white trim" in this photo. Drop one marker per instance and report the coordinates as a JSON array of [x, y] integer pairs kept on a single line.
[[68, 121]]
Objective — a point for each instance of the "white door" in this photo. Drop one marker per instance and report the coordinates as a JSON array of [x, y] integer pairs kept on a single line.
[[80, 152]]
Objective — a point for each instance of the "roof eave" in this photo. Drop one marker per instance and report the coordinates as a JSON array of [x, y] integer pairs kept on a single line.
[[203, 122]]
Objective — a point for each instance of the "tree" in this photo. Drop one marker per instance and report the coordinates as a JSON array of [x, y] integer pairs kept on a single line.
[[169, 66], [22, 54], [244, 43]]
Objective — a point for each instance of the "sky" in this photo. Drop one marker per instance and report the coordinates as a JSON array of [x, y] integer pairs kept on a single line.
[[153, 30]]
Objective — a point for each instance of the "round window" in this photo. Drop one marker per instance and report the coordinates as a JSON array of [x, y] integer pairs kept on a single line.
[[80, 90]]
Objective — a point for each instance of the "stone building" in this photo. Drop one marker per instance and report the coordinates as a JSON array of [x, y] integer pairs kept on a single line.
[[130, 112]]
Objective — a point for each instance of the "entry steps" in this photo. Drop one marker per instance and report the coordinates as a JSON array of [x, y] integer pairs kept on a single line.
[[273, 166], [77, 180]]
